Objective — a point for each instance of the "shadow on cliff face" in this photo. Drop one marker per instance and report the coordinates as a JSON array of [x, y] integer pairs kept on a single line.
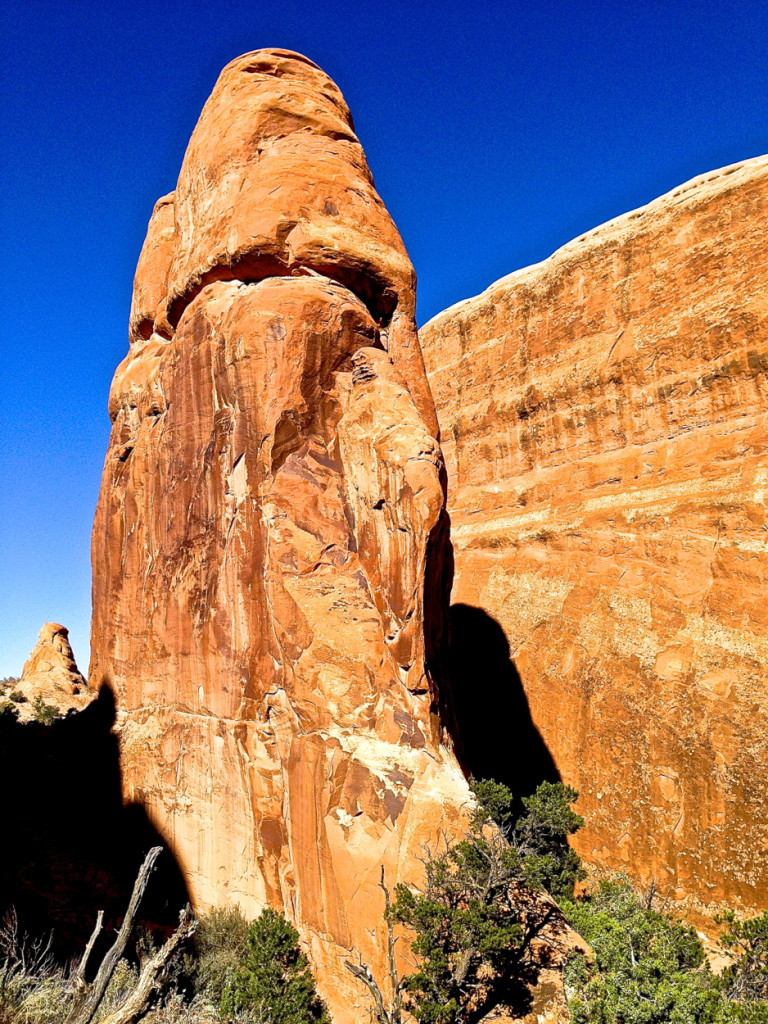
[[438, 575], [497, 738], [70, 846]]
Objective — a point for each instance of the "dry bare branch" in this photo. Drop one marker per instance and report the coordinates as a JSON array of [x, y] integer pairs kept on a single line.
[[84, 1008], [363, 974], [361, 971], [152, 974], [78, 978]]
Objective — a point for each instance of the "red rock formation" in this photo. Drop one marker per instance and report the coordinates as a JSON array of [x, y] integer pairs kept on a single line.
[[270, 534], [50, 672], [604, 421]]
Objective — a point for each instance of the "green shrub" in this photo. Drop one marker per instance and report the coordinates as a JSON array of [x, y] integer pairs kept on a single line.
[[44, 713], [746, 979], [540, 834], [7, 709], [178, 1010], [32, 987], [274, 984], [468, 929], [46, 1001], [219, 947], [649, 968], [121, 984], [474, 924]]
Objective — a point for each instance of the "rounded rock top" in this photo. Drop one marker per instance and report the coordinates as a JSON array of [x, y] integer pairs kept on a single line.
[[287, 65], [51, 629]]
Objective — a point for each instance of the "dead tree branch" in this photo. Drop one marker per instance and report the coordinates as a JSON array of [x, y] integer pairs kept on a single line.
[[78, 978], [152, 974], [362, 972], [21, 952], [395, 981], [84, 1008]]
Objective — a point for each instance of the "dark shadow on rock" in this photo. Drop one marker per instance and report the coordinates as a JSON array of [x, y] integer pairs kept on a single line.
[[496, 737], [438, 576], [70, 846]]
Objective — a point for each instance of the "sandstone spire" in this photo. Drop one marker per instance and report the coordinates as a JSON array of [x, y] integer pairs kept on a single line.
[[50, 672], [270, 538]]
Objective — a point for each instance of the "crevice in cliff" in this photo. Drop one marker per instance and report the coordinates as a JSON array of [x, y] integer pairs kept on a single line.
[[438, 581], [364, 282]]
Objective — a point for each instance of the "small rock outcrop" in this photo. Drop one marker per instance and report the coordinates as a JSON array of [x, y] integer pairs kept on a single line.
[[604, 418], [270, 562], [51, 673]]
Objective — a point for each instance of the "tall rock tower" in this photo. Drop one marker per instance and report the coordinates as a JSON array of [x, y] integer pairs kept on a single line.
[[269, 550]]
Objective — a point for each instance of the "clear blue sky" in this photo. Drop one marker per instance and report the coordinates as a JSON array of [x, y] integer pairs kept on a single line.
[[496, 132]]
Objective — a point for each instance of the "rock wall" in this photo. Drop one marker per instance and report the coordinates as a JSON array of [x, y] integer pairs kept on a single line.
[[270, 544], [604, 422]]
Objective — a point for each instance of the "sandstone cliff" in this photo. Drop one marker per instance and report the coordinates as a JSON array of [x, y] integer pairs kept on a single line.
[[51, 673], [603, 418], [269, 549]]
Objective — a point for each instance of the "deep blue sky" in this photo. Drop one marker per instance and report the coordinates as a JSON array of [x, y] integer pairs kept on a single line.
[[496, 132]]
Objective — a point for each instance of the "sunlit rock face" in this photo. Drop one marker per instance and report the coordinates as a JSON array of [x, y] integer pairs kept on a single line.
[[271, 536], [604, 422], [51, 674]]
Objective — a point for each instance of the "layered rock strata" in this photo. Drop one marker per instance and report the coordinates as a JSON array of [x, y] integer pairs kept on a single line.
[[270, 538], [604, 422], [51, 674]]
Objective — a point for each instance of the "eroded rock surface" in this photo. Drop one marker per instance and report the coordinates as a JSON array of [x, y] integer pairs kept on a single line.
[[270, 537], [51, 673], [604, 422]]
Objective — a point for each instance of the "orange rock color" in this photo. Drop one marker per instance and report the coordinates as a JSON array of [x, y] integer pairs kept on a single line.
[[604, 423], [51, 672], [270, 537]]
